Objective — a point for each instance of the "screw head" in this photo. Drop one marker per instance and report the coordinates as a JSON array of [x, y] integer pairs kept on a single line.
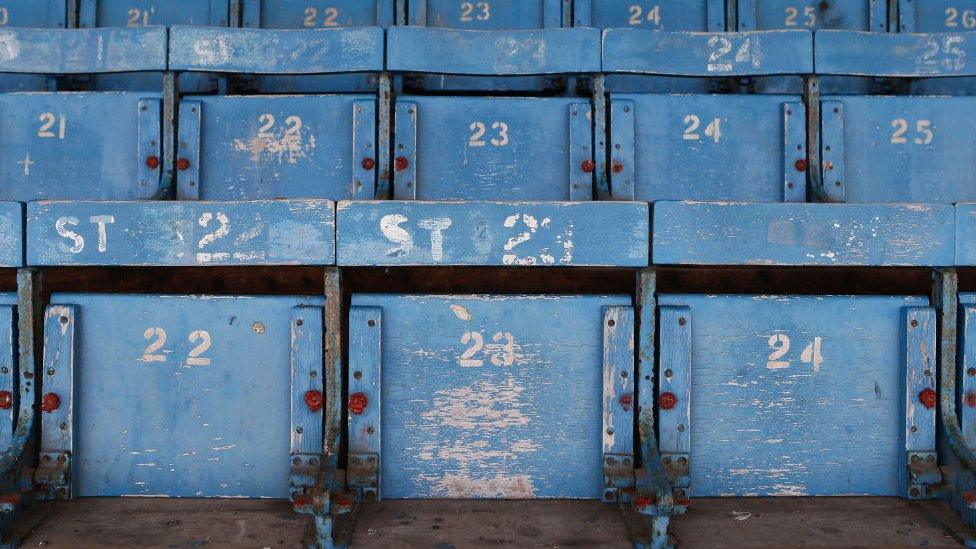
[[800, 165], [369, 164], [182, 164], [357, 403], [588, 166], [313, 399], [152, 162], [617, 166], [6, 400], [400, 163], [50, 402], [927, 397]]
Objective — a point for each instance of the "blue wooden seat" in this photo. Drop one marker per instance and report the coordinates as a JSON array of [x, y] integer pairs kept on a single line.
[[939, 16], [151, 395], [301, 14], [457, 397], [49, 14], [801, 398], [240, 147], [61, 145], [142, 13]]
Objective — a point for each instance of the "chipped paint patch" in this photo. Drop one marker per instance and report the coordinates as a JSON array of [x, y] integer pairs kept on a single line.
[[463, 486], [484, 407], [461, 313], [283, 145]]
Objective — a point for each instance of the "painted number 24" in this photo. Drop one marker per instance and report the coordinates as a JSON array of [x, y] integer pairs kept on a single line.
[[780, 344]]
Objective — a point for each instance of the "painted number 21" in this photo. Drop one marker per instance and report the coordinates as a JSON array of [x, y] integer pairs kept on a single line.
[[780, 344]]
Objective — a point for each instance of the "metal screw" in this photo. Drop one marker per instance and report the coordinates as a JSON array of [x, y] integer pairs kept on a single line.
[[371, 323], [668, 373], [299, 322], [299, 430], [64, 320], [611, 323], [681, 428], [64, 426], [610, 461], [257, 328], [914, 323], [915, 492], [682, 321], [357, 374], [370, 430], [914, 458]]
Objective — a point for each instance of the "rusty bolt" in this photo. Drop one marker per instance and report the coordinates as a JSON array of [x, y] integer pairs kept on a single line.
[[617, 166], [642, 502], [6, 400], [927, 397], [369, 164], [50, 402], [914, 492], [313, 399], [182, 164], [152, 162], [357, 403], [401, 163], [914, 323], [970, 399], [667, 400], [971, 372], [626, 400], [588, 166], [801, 165], [610, 495]]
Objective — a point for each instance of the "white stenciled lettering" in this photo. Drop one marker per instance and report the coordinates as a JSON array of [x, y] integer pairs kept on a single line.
[[102, 221], [436, 227], [78, 241], [391, 229]]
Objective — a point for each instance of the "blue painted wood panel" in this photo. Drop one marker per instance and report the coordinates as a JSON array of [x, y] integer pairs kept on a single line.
[[701, 233], [139, 13], [79, 145], [31, 14], [937, 15], [924, 141], [201, 411], [258, 147], [497, 148], [494, 53], [808, 419], [319, 51], [492, 233], [298, 14], [714, 147], [967, 383], [491, 15], [11, 234], [279, 232], [965, 234], [893, 54], [670, 15], [811, 14], [9, 389], [707, 54], [83, 51], [463, 419]]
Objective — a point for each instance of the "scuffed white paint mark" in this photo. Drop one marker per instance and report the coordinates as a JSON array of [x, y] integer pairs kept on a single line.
[[284, 145], [9, 47], [461, 313], [219, 448], [212, 50], [391, 229], [484, 407], [740, 515], [462, 486], [436, 228]]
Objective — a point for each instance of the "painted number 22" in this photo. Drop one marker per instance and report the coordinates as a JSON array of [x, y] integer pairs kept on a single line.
[[157, 339], [780, 344]]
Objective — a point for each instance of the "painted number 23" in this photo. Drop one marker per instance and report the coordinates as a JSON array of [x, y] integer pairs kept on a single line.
[[500, 353], [780, 344], [478, 129]]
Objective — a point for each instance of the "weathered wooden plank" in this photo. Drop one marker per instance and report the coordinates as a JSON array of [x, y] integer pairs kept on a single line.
[[967, 382], [701, 233], [674, 396], [9, 390], [676, 53], [475, 393], [364, 405], [965, 234], [919, 359], [11, 234], [82, 51], [796, 395], [618, 402], [318, 51], [493, 53], [274, 232], [180, 395], [492, 233], [842, 52], [307, 397], [58, 393]]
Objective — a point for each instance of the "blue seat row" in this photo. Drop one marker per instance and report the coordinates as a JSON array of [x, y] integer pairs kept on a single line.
[[479, 233]]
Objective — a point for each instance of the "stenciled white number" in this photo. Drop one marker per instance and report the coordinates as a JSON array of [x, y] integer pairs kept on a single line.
[[138, 18], [639, 14], [4, 16], [330, 17], [721, 47], [923, 132], [157, 339], [968, 20], [712, 130], [48, 120], [809, 16], [475, 11], [501, 352], [478, 129], [780, 345]]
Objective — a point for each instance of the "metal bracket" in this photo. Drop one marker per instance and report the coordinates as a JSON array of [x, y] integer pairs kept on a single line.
[[149, 148], [832, 150], [622, 158], [307, 402], [364, 151], [57, 400], [921, 399], [674, 393], [53, 475], [362, 471], [405, 151], [678, 469], [618, 403], [618, 477], [923, 473], [582, 165], [188, 151], [794, 152]]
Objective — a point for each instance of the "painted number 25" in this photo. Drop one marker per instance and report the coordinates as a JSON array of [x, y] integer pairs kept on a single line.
[[923, 131], [157, 339]]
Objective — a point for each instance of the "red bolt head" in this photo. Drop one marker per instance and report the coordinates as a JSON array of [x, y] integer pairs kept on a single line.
[[642, 502], [801, 165], [313, 399], [401, 163], [927, 398], [617, 166], [182, 164], [152, 162], [50, 402], [369, 164], [588, 166], [667, 401], [357, 403], [626, 400], [6, 400], [970, 399]]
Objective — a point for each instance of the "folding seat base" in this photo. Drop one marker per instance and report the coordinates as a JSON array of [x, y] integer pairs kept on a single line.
[[818, 521]]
